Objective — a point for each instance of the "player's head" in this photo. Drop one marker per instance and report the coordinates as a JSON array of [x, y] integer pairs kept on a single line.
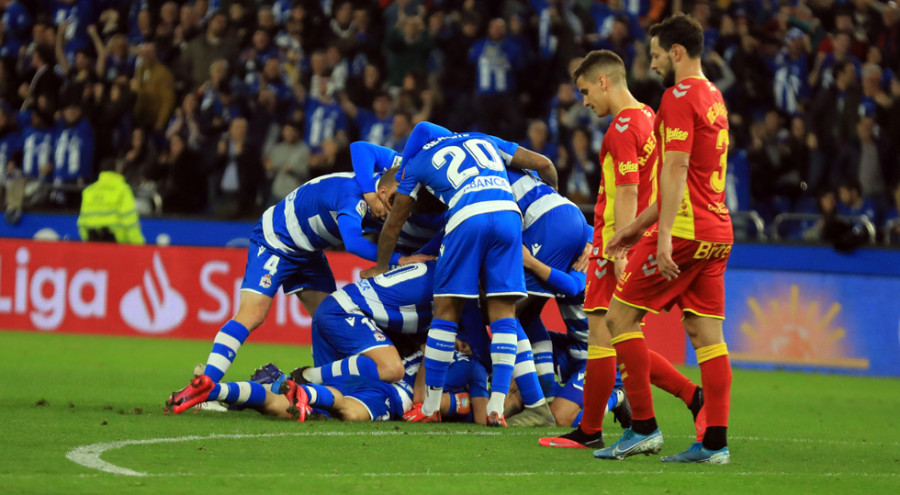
[[673, 42], [387, 187], [599, 72]]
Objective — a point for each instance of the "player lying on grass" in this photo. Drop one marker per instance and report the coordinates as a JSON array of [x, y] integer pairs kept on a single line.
[[287, 251], [347, 398]]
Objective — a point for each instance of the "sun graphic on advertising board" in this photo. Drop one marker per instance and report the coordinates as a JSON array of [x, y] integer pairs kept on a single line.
[[795, 330]]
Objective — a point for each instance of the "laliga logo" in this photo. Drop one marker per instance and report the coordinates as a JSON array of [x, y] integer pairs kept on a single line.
[[154, 307]]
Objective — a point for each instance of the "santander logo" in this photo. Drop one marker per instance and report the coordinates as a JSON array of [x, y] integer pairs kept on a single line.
[[153, 307]]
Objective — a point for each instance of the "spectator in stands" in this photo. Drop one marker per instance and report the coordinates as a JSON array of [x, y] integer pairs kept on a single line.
[[287, 163], [108, 211], [111, 118], [138, 159], [791, 83], [538, 140], [180, 171], [16, 27], [375, 125], [10, 160], [324, 117], [225, 106], [836, 110], [361, 90], [889, 37], [186, 122], [237, 170], [73, 18], [828, 216], [458, 78], [620, 41], [30, 185], [853, 204], [154, 87], [646, 89], [407, 46], [114, 61], [566, 113], [865, 159], [202, 51], [401, 127], [188, 25], [579, 170], [73, 145], [40, 91], [497, 62]]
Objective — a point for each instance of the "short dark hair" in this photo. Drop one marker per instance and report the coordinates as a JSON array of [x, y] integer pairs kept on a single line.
[[681, 30], [609, 62]]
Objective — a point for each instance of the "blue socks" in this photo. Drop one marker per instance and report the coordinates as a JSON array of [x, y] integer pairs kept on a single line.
[[319, 395], [239, 393], [354, 365], [224, 349], [504, 344], [524, 372]]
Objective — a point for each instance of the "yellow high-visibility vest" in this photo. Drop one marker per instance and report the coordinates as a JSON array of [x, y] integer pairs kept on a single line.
[[109, 203]]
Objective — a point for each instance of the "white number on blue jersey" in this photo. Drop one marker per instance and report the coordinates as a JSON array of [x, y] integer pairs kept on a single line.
[[272, 264], [402, 274], [484, 153]]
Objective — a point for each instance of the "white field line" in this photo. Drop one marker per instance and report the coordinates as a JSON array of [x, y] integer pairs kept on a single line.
[[89, 455]]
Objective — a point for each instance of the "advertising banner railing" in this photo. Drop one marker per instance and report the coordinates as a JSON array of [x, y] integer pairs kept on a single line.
[[175, 292]]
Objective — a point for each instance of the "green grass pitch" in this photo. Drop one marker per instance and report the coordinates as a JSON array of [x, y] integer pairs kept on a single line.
[[102, 398]]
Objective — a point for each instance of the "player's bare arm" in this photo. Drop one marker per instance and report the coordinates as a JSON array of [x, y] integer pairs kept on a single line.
[[524, 158], [673, 179], [625, 209], [629, 235]]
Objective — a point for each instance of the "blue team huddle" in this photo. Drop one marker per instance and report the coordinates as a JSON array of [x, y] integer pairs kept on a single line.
[[447, 326]]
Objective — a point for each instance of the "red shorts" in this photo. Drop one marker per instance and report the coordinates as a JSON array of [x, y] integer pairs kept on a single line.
[[601, 281], [699, 288]]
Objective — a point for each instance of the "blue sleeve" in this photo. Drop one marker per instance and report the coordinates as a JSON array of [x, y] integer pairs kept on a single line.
[[588, 233], [507, 148], [433, 247], [368, 159], [355, 243], [421, 134], [569, 284]]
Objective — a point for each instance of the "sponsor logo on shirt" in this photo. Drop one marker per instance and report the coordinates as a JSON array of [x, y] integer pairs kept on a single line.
[[718, 208], [675, 134], [626, 167]]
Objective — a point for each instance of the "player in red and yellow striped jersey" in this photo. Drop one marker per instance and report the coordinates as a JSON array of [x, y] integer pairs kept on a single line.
[[628, 159], [682, 260]]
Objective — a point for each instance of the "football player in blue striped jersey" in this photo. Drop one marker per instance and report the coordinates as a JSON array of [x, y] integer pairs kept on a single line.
[[286, 251]]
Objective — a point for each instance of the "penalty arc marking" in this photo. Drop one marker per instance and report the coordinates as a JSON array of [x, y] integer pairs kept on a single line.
[[89, 455]]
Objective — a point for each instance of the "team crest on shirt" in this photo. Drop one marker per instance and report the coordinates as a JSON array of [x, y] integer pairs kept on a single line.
[[266, 281], [380, 337]]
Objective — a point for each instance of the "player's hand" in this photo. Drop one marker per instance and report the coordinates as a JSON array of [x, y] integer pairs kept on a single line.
[[415, 258], [376, 206], [619, 265], [621, 242], [371, 272], [584, 260], [667, 267], [527, 259]]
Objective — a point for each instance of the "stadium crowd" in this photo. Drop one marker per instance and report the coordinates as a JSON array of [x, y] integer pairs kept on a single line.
[[222, 107]]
